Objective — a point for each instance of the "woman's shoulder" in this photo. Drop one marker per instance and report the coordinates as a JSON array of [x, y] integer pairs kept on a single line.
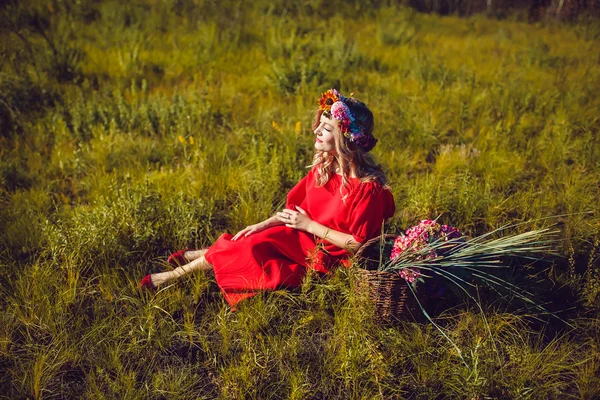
[[372, 197]]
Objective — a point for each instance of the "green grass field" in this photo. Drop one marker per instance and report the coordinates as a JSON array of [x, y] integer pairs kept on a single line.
[[132, 130]]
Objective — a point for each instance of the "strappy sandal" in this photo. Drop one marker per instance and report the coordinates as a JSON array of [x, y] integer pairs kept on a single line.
[[146, 283], [177, 259]]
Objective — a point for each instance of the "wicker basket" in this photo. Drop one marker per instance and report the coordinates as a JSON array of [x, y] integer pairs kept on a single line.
[[392, 298]]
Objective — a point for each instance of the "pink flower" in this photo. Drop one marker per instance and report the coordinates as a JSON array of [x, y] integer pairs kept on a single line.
[[450, 232], [339, 112], [402, 243], [398, 247], [419, 236], [409, 274], [431, 254]]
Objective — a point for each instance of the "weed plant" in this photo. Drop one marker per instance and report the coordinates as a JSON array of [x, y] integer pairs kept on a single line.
[[131, 130]]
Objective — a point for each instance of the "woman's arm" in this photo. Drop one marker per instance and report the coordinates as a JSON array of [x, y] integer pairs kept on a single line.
[[340, 239], [261, 226], [299, 219]]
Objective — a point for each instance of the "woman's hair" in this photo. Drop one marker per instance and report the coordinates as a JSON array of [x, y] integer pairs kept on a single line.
[[351, 157]]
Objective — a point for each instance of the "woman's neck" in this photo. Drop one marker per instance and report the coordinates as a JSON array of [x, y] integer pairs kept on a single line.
[[338, 170]]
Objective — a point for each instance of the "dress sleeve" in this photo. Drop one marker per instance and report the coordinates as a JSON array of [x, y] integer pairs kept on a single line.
[[372, 206], [297, 194]]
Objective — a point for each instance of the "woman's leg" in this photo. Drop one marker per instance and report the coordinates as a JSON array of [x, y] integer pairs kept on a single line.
[[199, 264], [192, 255]]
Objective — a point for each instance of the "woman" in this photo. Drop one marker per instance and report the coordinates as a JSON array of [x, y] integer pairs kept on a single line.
[[342, 202]]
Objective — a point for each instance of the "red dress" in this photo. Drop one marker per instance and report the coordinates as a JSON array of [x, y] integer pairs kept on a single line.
[[278, 256]]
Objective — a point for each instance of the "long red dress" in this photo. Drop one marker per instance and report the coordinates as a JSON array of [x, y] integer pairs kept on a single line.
[[277, 257]]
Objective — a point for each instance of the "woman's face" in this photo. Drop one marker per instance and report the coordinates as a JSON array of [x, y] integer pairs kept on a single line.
[[325, 134]]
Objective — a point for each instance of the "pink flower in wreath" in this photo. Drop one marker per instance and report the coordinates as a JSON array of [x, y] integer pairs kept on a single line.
[[338, 111]]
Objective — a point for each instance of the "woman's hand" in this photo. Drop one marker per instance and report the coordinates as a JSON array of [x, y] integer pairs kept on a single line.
[[251, 229], [299, 219], [296, 219]]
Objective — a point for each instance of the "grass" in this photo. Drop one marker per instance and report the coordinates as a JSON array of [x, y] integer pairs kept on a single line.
[[131, 130]]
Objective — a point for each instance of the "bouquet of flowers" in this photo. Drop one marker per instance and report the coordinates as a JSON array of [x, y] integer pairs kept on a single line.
[[420, 242], [395, 264], [433, 250], [430, 247]]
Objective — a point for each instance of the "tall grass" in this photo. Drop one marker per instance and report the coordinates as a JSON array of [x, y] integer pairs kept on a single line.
[[131, 130]]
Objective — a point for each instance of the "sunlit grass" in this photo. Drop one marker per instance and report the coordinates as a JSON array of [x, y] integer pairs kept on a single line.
[[133, 130]]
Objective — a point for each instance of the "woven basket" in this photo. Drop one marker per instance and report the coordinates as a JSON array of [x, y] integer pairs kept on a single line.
[[392, 298]]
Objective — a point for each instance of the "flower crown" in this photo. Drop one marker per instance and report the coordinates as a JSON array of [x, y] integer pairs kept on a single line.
[[333, 103]]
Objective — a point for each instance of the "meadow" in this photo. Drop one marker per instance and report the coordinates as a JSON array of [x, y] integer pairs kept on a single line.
[[128, 131]]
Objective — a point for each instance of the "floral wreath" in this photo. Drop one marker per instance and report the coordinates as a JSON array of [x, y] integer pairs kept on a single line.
[[334, 106]]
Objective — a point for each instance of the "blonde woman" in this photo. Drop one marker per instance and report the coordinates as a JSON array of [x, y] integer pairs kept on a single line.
[[342, 202]]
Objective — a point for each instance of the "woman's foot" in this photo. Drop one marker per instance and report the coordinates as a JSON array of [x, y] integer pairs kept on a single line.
[[178, 258], [185, 256], [147, 283], [152, 281], [161, 277]]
